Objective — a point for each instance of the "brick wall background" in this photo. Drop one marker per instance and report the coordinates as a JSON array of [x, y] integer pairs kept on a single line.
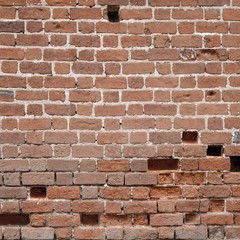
[[119, 130]]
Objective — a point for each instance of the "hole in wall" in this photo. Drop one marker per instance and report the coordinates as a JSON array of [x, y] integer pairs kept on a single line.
[[88, 219], [235, 164], [163, 164], [14, 219], [214, 150], [188, 136], [38, 192], [113, 13], [192, 218]]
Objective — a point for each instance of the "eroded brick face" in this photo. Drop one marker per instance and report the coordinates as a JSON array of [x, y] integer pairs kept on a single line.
[[119, 119]]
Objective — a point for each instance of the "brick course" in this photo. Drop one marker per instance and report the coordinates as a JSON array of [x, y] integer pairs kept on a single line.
[[85, 102]]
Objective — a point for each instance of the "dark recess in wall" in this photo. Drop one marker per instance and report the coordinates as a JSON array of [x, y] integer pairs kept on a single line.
[[113, 13], [214, 150], [163, 164], [38, 192], [235, 164], [188, 136], [14, 219]]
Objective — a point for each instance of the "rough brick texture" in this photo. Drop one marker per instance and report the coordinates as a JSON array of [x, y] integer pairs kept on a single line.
[[119, 127]]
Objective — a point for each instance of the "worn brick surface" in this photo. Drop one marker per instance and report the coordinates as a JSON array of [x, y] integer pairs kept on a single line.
[[86, 101]]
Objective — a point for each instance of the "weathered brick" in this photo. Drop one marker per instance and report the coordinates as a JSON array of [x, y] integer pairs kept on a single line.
[[166, 219], [14, 27], [37, 233]]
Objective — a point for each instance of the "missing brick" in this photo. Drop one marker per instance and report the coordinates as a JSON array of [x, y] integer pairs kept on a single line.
[[214, 150], [235, 164], [88, 219], [163, 164], [113, 13], [190, 137], [38, 192], [14, 219]]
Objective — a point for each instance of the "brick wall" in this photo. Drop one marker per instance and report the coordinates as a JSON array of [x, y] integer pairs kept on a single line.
[[119, 122]]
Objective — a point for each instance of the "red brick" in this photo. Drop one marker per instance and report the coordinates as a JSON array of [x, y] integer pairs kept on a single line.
[[138, 68], [138, 14], [139, 123], [7, 39], [37, 233], [215, 191], [187, 41], [231, 14], [190, 151], [35, 124], [58, 40], [209, 27], [217, 219], [189, 123], [192, 232], [231, 41], [165, 137], [88, 206], [110, 110], [34, 13], [163, 109], [85, 13], [212, 109], [140, 179], [13, 3], [59, 82], [163, 27], [166, 219], [197, 178], [162, 82], [61, 137], [211, 82], [232, 232], [13, 192], [187, 14], [63, 192], [108, 27], [111, 55], [89, 233], [59, 55], [12, 54], [113, 165], [115, 220], [60, 27], [90, 178], [87, 151], [37, 206], [65, 232], [113, 137], [139, 151], [35, 68], [231, 178], [61, 2], [87, 68], [12, 137], [140, 207], [111, 83], [214, 164], [12, 27], [188, 68], [113, 193], [85, 124], [38, 178], [64, 220]]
